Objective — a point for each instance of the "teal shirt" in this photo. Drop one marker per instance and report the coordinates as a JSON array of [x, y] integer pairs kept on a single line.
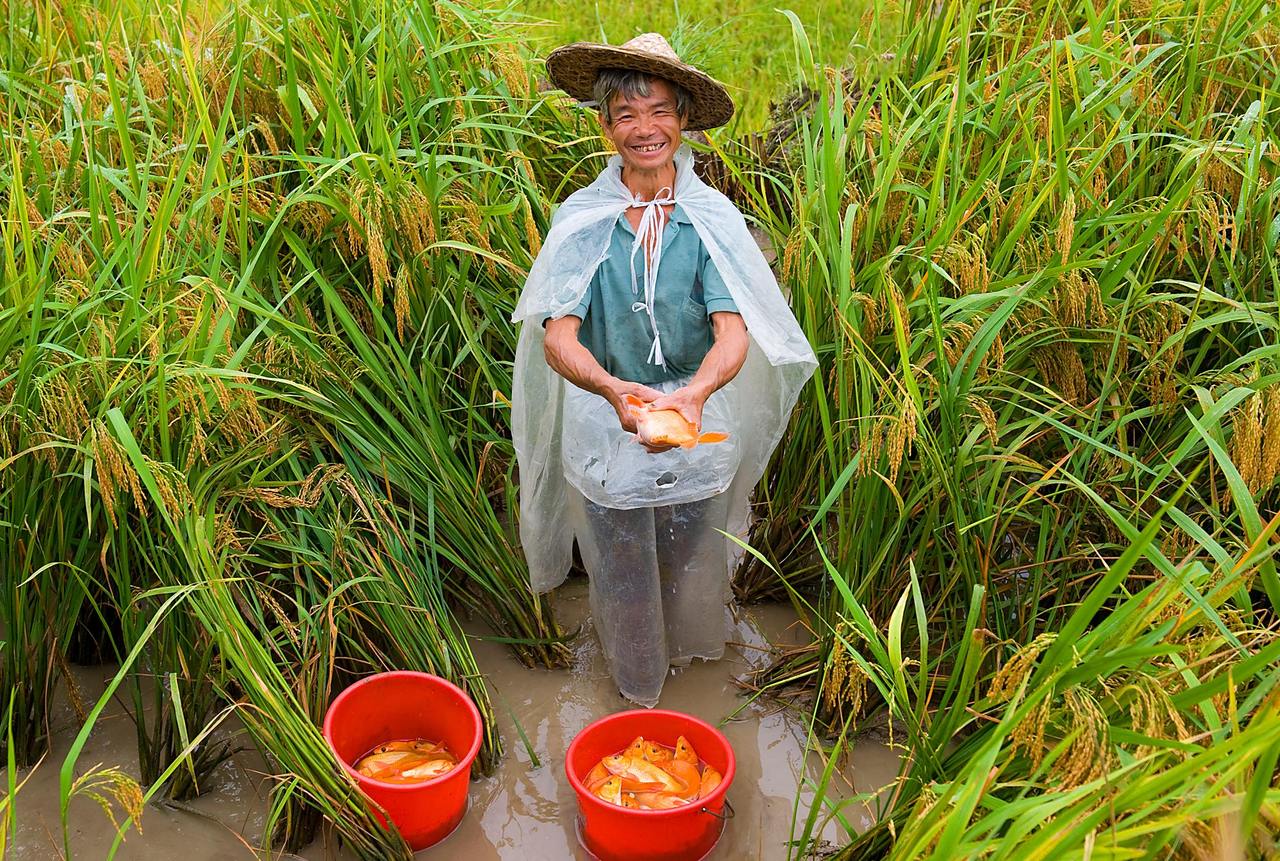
[[688, 290]]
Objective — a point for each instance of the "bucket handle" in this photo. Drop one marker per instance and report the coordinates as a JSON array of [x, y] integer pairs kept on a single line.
[[722, 816]]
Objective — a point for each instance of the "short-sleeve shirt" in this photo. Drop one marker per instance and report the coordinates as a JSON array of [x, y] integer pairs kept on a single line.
[[688, 290]]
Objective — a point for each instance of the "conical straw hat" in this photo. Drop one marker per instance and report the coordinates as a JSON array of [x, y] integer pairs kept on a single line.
[[573, 68]]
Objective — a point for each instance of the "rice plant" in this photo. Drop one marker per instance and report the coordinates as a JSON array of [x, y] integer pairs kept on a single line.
[[1036, 249], [357, 478], [258, 263]]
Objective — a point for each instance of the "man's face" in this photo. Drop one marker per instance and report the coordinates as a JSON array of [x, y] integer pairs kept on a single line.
[[645, 129]]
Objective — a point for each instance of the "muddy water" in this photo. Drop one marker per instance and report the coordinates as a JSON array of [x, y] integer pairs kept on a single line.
[[522, 811]]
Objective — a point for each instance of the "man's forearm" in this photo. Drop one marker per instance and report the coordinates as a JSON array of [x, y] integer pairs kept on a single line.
[[568, 358], [726, 356]]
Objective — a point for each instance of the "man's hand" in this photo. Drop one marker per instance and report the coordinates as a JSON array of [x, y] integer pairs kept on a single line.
[[568, 358], [614, 391], [688, 401]]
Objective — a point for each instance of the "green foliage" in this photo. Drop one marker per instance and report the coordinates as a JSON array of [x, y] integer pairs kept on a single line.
[[1035, 256], [741, 43], [258, 266], [256, 274]]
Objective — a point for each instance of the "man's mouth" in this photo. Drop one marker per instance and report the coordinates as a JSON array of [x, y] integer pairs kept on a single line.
[[649, 147]]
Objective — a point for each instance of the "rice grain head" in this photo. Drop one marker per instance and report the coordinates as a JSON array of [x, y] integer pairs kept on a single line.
[[1071, 304], [1028, 734], [1062, 370], [871, 320], [871, 448], [403, 281], [1270, 469], [1009, 678], [1067, 228], [982, 409], [845, 682], [902, 436], [111, 787], [416, 219], [791, 254], [1247, 441], [507, 63], [1088, 755], [1153, 714], [532, 236]]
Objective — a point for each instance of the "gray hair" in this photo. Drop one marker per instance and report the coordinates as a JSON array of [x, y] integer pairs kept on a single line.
[[629, 84]]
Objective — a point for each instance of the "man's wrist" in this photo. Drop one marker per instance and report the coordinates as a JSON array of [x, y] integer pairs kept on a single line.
[[609, 388], [701, 389]]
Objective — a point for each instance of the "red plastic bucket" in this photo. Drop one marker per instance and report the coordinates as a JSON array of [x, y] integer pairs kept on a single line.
[[615, 833], [406, 704]]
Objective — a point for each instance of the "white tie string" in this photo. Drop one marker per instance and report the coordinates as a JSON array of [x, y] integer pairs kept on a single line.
[[649, 238]]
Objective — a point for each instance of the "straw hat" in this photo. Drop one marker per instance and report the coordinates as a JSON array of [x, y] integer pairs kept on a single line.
[[573, 68]]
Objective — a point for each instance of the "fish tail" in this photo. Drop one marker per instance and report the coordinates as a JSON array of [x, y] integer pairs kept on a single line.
[[713, 437]]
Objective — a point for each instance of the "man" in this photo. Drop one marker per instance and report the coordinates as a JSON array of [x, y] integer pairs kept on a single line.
[[648, 287]]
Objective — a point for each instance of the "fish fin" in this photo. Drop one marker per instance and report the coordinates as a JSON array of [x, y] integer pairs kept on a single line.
[[714, 436], [690, 444], [632, 401], [641, 786]]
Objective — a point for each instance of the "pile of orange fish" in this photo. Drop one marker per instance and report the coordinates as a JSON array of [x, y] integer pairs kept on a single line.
[[651, 776], [409, 761]]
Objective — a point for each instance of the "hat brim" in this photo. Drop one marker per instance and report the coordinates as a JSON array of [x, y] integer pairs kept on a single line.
[[573, 68]]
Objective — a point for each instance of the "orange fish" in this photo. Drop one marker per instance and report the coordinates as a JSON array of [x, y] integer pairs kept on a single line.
[[406, 761], [667, 427], [427, 770], [611, 790], [643, 776], [710, 780], [685, 751], [658, 800], [636, 748], [688, 776], [385, 762], [597, 775], [656, 753]]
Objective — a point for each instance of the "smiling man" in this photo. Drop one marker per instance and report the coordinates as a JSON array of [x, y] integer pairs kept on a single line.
[[648, 289]]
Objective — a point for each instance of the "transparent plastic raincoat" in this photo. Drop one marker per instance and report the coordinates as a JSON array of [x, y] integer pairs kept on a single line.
[[580, 472]]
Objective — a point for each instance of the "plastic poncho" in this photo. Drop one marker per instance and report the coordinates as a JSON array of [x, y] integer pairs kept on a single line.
[[756, 404]]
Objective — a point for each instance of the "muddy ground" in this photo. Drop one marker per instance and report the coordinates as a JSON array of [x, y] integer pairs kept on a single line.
[[521, 811]]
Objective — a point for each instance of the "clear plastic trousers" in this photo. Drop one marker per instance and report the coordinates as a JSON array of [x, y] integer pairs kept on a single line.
[[659, 583]]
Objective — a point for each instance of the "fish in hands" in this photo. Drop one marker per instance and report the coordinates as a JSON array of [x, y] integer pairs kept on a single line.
[[667, 427]]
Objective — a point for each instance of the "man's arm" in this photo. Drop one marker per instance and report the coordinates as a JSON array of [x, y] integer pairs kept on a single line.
[[568, 358], [719, 366]]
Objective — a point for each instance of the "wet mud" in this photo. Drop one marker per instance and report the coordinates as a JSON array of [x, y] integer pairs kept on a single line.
[[523, 811]]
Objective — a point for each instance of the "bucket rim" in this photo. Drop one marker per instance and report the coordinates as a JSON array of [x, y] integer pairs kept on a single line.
[[717, 795], [464, 762]]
